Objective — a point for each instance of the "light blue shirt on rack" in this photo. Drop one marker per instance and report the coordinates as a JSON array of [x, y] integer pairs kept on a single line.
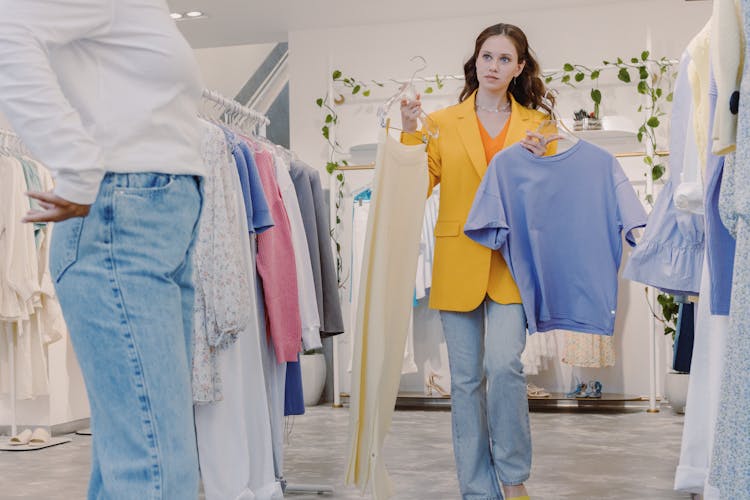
[[670, 254]]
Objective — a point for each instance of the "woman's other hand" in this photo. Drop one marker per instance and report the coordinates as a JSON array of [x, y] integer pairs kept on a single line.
[[537, 143], [54, 208], [410, 111]]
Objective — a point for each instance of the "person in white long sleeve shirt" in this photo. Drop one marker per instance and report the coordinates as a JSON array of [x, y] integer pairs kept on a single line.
[[105, 94]]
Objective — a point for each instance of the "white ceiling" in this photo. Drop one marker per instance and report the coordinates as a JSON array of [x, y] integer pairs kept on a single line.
[[237, 22]]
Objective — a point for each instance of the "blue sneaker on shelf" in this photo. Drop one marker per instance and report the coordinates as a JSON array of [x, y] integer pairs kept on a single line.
[[594, 389], [578, 392]]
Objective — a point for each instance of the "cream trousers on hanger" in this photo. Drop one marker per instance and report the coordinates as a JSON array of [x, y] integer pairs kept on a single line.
[[386, 297]]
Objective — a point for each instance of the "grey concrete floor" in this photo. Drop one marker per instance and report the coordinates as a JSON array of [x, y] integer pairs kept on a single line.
[[583, 456]]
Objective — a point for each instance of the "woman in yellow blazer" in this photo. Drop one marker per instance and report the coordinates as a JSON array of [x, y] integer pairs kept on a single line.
[[471, 283]]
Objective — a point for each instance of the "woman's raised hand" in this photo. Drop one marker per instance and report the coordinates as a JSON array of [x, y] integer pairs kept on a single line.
[[410, 111]]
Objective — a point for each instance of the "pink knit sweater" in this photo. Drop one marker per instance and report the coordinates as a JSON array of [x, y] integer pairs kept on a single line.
[[277, 269]]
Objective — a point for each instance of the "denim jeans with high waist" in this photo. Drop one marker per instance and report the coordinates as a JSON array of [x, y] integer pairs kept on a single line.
[[123, 276], [489, 408]]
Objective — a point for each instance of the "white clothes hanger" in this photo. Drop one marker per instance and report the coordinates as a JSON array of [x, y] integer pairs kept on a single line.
[[554, 128]]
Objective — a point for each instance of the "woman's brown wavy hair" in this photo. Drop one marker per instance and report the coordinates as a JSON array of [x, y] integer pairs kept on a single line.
[[529, 89]]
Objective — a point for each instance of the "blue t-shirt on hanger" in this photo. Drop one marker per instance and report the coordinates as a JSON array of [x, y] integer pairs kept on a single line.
[[558, 221]]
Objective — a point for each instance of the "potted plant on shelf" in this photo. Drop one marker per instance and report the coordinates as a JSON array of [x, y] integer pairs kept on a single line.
[[583, 120], [675, 382]]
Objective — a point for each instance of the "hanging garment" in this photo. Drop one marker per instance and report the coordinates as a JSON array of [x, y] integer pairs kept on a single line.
[[589, 351], [221, 274], [720, 244], [275, 377], [256, 207], [703, 394], [234, 435], [294, 398], [30, 316], [727, 47], [333, 319], [431, 210], [306, 285], [669, 256], [684, 338], [427, 244], [385, 303], [730, 467], [698, 75], [360, 214], [294, 401], [33, 183], [563, 245], [315, 218], [540, 351], [277, 269]]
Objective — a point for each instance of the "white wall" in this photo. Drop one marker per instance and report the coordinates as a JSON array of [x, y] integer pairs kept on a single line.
[[585, 35], [227, 69]]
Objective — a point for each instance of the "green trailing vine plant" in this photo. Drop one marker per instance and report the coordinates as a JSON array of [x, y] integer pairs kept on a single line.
[[653, 79]]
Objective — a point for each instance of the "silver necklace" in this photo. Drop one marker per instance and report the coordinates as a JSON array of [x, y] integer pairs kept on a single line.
[[492, 110]]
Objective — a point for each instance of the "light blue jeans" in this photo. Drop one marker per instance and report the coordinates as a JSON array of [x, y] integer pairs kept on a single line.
[[123, 276], [489, 407]]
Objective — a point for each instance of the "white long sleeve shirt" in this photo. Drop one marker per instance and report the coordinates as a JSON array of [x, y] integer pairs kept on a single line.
[[96, 86]]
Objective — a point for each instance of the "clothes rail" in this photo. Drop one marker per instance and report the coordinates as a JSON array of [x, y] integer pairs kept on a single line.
[[239, 114], [371, 166]]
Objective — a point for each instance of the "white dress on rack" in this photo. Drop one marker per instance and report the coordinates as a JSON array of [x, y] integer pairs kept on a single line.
[[30, 316], [234, 443]]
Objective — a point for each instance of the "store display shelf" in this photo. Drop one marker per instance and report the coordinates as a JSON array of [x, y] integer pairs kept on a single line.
[[556, 401]]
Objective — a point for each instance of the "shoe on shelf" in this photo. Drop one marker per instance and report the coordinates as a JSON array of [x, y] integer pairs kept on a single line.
[[20, 439], [432, 386], [595, 389], [578, 392], [534, 391], [39, 437]]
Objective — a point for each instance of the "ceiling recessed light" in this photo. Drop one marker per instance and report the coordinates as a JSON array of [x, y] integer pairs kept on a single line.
[[175, 15], [194, 13]]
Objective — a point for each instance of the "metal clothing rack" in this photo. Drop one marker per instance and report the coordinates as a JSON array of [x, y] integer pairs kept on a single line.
[[371, 166], [237, 114]]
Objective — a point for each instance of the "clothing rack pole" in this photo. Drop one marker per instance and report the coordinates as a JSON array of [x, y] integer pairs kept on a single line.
[[371, 166], [12, 367], [262, 121]]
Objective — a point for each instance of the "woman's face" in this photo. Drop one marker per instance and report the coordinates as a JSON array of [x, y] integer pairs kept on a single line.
[[497, 64]]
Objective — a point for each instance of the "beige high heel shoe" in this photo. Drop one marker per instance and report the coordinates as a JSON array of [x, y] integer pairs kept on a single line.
[[432, 386]]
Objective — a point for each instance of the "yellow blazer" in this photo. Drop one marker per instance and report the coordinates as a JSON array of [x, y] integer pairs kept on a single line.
[[465, 272]]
